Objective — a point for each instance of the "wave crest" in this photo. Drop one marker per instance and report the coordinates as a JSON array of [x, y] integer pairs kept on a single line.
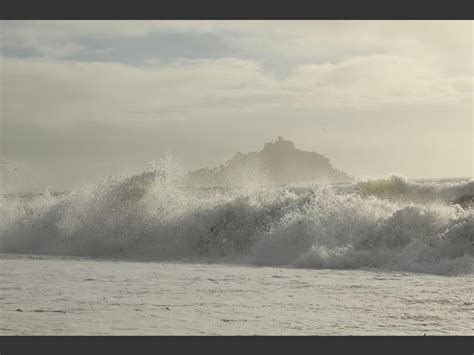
[[151, 217]]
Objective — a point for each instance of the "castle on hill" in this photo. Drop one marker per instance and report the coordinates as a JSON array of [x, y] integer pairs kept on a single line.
[[279, 162]]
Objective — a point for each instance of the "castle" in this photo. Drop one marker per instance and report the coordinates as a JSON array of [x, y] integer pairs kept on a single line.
[[279, 145], [279, 162]]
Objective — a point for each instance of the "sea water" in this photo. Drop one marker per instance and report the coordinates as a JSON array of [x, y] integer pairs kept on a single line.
[[134, 255]]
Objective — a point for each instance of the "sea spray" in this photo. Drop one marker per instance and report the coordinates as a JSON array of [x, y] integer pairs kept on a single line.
[[389, 224]]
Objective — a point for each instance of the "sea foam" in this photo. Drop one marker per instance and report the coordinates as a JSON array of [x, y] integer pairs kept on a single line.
[[390, 224]]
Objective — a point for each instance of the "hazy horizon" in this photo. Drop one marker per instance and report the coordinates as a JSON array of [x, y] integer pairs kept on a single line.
[[81, 100]]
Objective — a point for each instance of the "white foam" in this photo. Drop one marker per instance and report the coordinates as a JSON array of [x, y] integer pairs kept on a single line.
[[149, 216]]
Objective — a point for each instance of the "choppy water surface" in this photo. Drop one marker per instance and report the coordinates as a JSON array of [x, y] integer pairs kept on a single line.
[[73, 296]]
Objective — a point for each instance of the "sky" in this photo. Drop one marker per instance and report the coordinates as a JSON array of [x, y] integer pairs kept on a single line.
[[82, 100]]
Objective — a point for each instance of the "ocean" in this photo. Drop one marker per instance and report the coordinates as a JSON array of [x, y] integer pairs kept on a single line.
[[134, 255]]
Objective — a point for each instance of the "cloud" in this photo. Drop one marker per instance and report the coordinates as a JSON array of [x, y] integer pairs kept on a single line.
[[375, 81], [278, 44], [230, 85], [54, 91], [102, 40]]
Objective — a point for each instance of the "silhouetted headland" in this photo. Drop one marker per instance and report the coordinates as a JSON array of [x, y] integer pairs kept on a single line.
[[279, 162]]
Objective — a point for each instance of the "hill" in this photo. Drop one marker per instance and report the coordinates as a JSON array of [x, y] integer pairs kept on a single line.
[[279, 162]]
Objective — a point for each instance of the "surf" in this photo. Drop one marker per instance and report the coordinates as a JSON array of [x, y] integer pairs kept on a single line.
[[388, 224]]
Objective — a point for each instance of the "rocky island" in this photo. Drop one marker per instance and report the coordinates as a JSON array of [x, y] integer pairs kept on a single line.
[[279, 162]]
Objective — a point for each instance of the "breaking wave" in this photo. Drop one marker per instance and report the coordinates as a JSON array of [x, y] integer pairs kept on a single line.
[[390, 224], [399, 189]]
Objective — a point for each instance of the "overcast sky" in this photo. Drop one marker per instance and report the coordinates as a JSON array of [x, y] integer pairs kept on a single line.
[[84, 99]]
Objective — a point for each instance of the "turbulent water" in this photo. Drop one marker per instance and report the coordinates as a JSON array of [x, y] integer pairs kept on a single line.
[[45, 295], [391, 224]]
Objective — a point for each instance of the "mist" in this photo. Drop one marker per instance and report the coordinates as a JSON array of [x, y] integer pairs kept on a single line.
[[84, 100]]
